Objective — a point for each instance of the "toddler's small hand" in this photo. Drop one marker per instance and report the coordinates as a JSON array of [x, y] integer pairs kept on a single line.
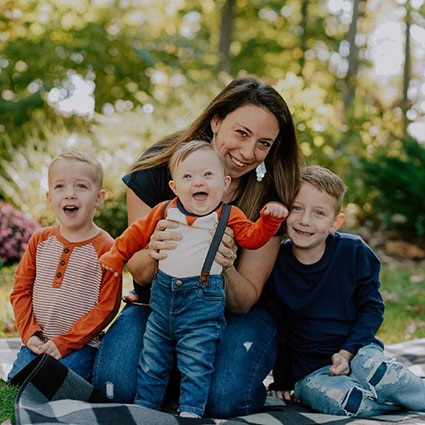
[[276, 210], [104, 266]]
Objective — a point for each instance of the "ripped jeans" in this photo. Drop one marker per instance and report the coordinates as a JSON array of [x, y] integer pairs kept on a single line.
[[375, 385]]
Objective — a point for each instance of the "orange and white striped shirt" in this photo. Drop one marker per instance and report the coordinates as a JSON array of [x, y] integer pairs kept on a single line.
[[61, 292]]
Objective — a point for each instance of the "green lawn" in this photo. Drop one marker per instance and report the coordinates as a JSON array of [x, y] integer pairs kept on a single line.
[[7, 402], [403, 289]]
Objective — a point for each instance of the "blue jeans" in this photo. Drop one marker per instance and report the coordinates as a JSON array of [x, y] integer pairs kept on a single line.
[[187, 318], [80, 361], [376, 385], [245, 355]]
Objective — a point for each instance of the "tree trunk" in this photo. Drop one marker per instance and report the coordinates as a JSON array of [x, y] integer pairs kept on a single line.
[[406, 71], [353, 63], [303, 40], [226, 30]]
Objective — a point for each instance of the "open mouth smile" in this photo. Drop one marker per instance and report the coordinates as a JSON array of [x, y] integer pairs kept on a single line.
[[70, 209], [200, 196], [304, 234], [238, 163]]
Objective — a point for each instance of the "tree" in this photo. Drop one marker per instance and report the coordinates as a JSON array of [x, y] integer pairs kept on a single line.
[[353, 62], [406, 68], [226, 30], [303, 39]]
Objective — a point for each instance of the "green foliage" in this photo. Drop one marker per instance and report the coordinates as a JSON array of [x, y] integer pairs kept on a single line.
[[7, 322], [7, 402], [112, 216], [395, 187]]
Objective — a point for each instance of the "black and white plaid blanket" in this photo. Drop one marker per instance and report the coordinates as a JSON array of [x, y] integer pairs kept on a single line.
[[52, 394]]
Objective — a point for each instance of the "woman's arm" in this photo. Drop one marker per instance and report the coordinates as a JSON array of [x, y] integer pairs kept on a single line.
[[244, 284], [142, 264]]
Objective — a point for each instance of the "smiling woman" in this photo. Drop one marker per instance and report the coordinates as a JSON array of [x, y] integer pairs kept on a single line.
[[252, 127]]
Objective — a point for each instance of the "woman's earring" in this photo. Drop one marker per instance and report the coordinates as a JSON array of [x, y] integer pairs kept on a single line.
[[261, 171], [213, 140]]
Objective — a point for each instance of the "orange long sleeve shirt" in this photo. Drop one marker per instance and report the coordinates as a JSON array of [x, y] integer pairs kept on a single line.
[[248, 234], [61, 292]]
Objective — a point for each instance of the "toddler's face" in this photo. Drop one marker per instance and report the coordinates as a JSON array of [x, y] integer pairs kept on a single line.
[[199, 182], [73, 193], [312, 217]]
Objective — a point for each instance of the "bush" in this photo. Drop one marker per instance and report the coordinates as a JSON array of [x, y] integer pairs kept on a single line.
[[112, 216], [15, 231], [395, 187]]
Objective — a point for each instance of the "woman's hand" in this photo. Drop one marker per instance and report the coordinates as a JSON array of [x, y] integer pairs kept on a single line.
[[287, 395], [226, 253], [163, 239]]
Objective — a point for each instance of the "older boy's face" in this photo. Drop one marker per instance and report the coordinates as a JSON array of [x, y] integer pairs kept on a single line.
[[199, 182], [312, 218], [74, 194]]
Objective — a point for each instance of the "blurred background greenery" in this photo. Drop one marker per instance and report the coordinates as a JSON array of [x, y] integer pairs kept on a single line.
[[113, 76]]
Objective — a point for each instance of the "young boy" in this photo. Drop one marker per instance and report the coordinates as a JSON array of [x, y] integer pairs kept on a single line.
[[62, 298], [324, 289], [188, 312]]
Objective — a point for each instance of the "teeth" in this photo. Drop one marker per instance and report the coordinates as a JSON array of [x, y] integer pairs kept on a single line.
[[236, 162], [303, 233]]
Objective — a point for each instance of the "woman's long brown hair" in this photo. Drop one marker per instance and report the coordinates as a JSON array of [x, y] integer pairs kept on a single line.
[[282, 162]]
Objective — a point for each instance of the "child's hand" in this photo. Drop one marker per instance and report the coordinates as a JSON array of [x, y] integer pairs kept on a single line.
[[340, 363], [276, 210], [49, 347], [34, 343], [104, 266]]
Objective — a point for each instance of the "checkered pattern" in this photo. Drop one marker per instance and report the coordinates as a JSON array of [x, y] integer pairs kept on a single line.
[[8, 351], [52, 394]]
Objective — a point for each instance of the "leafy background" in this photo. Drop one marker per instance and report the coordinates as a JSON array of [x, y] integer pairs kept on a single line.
[[113, 76]]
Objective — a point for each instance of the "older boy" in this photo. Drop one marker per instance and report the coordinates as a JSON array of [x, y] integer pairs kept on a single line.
[[325, 292], [187, 311], [61, 297]]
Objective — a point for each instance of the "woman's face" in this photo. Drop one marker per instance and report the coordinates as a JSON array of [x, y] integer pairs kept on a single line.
[[245, 137]]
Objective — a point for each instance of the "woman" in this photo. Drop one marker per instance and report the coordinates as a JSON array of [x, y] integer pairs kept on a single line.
[[252, 127]]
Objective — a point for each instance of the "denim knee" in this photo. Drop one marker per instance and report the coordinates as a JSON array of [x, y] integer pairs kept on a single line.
[[342, 401], [245, 355]]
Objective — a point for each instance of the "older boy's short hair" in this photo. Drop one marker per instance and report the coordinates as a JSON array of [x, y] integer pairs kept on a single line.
[[194, 145], [326, 181], [82, 157]]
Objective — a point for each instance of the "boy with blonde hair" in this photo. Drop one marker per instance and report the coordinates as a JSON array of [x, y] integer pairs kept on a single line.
[[324, 290], [187, 303], [62, 298]]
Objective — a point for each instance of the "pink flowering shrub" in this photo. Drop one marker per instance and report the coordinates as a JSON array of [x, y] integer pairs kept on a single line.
[[15, 231]]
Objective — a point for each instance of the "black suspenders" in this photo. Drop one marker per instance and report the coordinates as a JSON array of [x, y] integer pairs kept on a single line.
[[218, 236]]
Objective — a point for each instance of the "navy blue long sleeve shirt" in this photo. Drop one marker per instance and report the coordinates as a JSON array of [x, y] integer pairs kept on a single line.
[[324, 307]]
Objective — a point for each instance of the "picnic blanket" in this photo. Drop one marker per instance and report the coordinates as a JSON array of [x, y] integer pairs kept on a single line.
[[52, 394]]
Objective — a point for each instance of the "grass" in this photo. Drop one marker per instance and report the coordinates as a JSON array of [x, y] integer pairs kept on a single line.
[[402, 289], [404, 295], [7, 402]]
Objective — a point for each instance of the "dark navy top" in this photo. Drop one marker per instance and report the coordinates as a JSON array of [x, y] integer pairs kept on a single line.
[[324, 307]]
